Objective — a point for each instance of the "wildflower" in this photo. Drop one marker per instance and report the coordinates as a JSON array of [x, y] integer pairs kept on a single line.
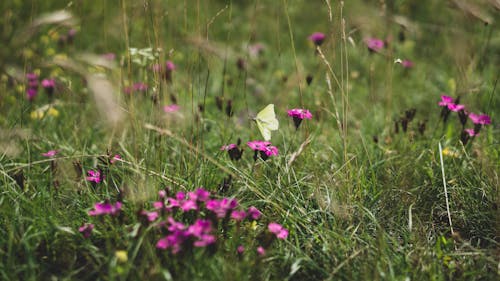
[[199, 195], [171, 108], [471, 132], [298, 115], [140, 87], [261, 251], [109, 56], [121, 256], [201, 229], [317, 38], [50, 153], [105, 208], [94, 176], [240, 249], [255, 50], [233, 151], [221, 207], [278, 230], [445, 100], [456, 107], [115, 158], [151, 216], [450, 152], [480, 119], [86, 229], [264, 147], [238, 215], [407, 63], [254, 213], [31, 93], [374, 44]]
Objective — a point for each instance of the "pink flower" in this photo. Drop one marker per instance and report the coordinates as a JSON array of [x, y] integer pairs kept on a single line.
[[228, 147], [221, 207], [471, 132], [50, 153], [255, 49], [407, 63], [240, 249], [140, 87], [317, 38], [105, 208], [280, 231], [158, 205], [109, 56], [238, 215], [94, 176], [31, 76], [171, 108], [258, 145], [445, 100], [374, 44], [456, 107], [151, 216], [188, 205], [170, 66], [115, 158], [48, 83], [254, 213], [300, 113], [261, 251], [86, 229], [31, 93], [482, 119], [202, 194]]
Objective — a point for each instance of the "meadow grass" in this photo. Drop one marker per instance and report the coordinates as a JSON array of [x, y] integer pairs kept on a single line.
[[359, 188]]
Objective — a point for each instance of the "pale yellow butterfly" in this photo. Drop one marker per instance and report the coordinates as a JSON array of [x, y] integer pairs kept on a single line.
[[266, 121]]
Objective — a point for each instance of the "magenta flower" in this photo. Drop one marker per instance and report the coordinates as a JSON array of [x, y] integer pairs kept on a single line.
[[171, 108], [238, 215], [31, 93], [298, 115], [228, 147], [445, 100], [482, 119], [471, 132], [407, 63], [317, 38], [374, 44], [115, 158], [200, 194], [94, 176], [105, 208], [240, 249], [255, 49], [456, 107], [264, 148], [140, 87], [261, 251], [170, 66], [221, 207], [233, 151], [151, 216], [254, 213], [278, 230], [31, 76], [109, 56], [48, 83], [86, 229], [50, 153]]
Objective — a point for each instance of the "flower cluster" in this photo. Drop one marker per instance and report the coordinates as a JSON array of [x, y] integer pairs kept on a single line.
[[479, 120], [105, 208]]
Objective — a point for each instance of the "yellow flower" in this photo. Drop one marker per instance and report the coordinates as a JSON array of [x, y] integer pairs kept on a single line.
[[50, 52], [40, 112], [450, 152], [121, 256]]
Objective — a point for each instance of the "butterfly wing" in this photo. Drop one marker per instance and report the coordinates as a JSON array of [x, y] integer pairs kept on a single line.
[[267, 122], [264, 131]]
